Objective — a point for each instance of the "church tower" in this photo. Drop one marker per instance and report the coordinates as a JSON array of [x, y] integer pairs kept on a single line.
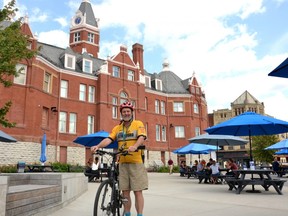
[[84, 31]]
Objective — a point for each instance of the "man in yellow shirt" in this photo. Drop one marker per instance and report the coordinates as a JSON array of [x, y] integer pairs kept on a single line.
[[130, 134]]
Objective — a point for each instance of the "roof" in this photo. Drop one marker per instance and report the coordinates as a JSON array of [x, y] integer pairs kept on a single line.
[[246, 98], [86, 7], [171, 83], [55, 55]]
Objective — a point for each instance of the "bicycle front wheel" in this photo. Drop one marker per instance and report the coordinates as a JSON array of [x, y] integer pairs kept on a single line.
[[108, 202]]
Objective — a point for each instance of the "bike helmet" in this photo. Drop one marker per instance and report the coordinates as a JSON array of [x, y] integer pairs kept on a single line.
[[127, 104]]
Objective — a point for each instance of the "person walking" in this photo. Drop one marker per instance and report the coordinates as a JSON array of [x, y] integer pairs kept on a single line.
[[130, 134], [170, 164]]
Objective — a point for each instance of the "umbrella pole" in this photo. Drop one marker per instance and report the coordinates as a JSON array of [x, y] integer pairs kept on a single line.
[[217, 151], [250, 143]]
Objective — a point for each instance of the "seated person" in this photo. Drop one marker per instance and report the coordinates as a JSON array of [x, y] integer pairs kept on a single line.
[[89, 165], [94, 174], [208, 173], [201, 167], [276, 166], [215, 172], [232, 166], [183, 168]]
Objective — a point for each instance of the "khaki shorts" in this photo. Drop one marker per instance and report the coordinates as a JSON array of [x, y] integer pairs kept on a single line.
[[133, 177]]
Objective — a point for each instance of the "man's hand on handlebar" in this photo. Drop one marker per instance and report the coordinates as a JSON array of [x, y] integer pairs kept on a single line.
[[132, 149], [94, 149]]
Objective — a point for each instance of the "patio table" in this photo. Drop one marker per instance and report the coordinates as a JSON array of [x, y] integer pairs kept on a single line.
[[265, 180]]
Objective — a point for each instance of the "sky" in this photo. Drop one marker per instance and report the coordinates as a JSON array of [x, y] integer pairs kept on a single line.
[[231, 46]]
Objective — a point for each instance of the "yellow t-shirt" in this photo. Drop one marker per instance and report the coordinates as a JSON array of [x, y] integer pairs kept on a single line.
[[127, 137]]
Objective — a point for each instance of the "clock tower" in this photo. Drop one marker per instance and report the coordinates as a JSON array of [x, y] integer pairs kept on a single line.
[[84, 31]]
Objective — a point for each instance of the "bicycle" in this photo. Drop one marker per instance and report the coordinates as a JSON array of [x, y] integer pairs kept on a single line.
[[109, 200]]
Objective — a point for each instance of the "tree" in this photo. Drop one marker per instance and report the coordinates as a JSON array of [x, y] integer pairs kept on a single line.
[[13, 48], [259, 144]]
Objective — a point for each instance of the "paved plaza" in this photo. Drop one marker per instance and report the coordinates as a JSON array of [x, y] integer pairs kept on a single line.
[[172, 195]]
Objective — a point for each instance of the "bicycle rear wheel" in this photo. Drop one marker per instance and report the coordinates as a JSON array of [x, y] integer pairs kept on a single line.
[[106, 203]]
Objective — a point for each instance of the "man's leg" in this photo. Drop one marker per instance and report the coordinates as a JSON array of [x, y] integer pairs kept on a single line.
[[139, 201], [127, 205]]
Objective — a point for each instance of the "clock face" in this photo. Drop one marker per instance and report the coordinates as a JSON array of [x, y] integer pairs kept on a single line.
[[77, 20]]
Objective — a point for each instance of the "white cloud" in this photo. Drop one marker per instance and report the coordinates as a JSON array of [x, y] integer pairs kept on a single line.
[[49, 37], [62, 21]]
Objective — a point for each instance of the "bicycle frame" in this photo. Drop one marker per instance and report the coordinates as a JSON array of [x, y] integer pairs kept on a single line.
[[115, 203]]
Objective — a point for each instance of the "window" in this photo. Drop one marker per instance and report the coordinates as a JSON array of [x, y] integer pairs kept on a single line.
[[64, 89], [146, 128], [197, 131], [77, 36], [47, 82], [29, 45], [70, 61], [82, 92], [90, 125], [116, 71], [22, 72], [114, 107], [90, 37], [130, 75], [157, 106], [179, 132], [196, 110], [123, 97], [163, 110], [72, 123], [157, 132], [87, 66], [178, 107], [158, 84], [91, 94], [163, 133], [45, 117], [62, 122], [147, 81]]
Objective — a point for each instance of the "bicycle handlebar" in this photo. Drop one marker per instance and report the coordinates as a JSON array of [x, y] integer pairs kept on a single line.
[[124, 152]]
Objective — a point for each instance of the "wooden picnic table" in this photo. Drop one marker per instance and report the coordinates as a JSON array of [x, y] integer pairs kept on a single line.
[[265, 180]]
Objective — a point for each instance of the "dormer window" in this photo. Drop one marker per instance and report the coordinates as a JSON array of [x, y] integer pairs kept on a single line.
[[147, 81], [70, 61], [87, 66], [158, 84]]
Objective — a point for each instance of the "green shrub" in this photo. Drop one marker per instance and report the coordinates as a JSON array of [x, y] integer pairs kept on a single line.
[[8, 169]]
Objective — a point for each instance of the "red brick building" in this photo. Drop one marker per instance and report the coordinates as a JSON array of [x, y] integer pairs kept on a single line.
[[71, 92]]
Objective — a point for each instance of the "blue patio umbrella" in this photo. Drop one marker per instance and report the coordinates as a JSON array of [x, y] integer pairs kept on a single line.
[[218, 140], [43, 149], [279, 145], [195, 148], [250, 124], [282, 152], [6, 138], [281, 70], [90, 140]]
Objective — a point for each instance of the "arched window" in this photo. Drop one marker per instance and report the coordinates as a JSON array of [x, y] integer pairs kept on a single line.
[[123, 97]]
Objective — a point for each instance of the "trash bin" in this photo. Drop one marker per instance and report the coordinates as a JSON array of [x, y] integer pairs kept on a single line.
[[20, 167]]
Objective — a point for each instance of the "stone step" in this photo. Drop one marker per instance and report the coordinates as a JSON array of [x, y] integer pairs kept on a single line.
[[29, 199]]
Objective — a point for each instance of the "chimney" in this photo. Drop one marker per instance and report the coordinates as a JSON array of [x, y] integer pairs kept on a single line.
[[137, 51]]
